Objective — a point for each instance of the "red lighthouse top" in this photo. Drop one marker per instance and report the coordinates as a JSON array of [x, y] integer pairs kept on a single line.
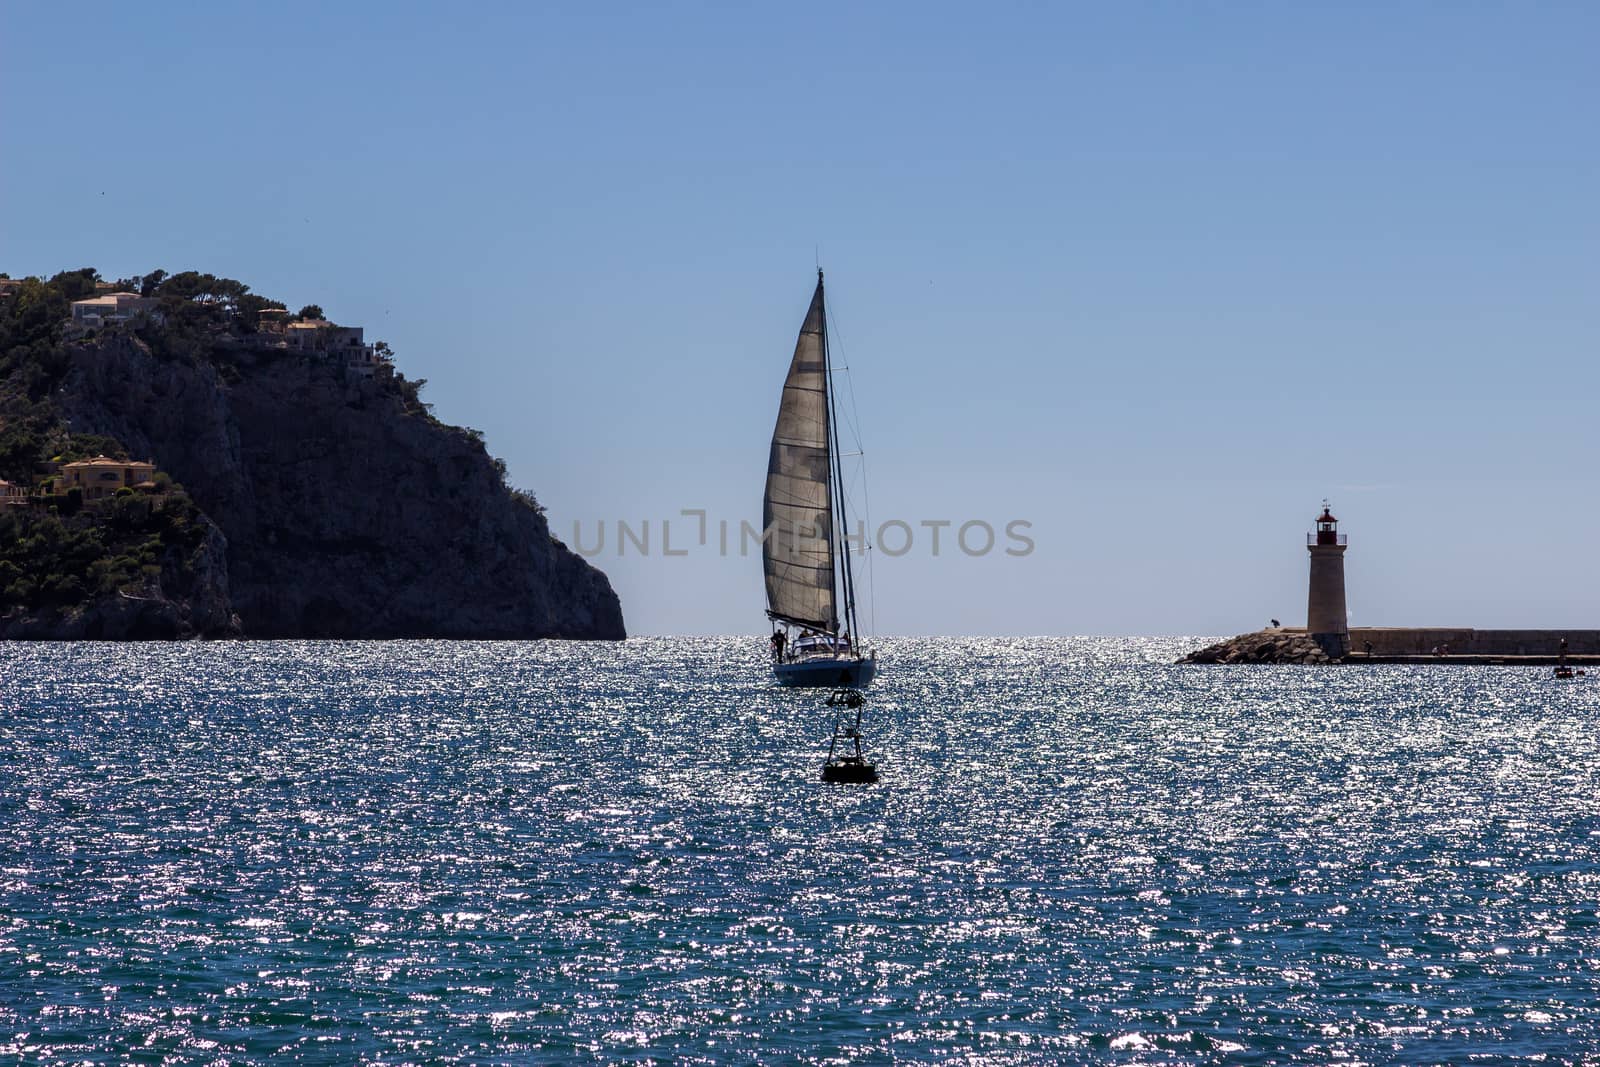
[[1327, 527]]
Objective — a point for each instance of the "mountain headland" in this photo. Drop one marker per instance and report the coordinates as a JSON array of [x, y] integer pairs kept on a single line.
[[182, 457]]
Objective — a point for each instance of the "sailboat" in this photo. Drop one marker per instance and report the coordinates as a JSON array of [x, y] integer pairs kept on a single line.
[[810, 587]]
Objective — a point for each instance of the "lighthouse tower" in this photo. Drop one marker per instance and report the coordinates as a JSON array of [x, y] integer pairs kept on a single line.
[[1326, 619]]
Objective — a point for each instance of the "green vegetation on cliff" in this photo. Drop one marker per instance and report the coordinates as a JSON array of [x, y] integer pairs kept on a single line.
[[61, 558]]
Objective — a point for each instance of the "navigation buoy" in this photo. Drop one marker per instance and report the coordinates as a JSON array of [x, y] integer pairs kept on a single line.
[[850, 766]]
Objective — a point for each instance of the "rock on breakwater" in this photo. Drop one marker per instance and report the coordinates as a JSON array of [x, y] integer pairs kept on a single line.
[[1262, 646]]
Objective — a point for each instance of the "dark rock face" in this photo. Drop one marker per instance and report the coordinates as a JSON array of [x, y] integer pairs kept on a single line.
[[189, 600], [1263, 646], [346, 515]]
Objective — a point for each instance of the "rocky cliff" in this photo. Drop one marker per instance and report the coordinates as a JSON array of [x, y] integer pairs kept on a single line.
[[185, 596], [348, 510]]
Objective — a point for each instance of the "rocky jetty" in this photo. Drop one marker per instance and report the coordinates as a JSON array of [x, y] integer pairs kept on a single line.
[[1263, 646]]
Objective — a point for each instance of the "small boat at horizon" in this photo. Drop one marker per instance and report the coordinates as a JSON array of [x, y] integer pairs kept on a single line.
[[811, 588], [1563, 668]]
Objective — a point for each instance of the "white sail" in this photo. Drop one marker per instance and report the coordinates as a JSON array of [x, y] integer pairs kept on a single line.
[[797, 510]]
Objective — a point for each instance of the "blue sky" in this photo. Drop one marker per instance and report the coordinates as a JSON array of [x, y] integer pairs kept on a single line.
[[1156, 278]]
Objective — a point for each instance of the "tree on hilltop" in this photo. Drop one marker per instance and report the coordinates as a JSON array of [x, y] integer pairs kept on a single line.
[[250, 307], [76, 284], [204, 288]]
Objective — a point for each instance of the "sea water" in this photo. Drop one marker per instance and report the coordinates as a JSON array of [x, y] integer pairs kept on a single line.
[[439, 852]]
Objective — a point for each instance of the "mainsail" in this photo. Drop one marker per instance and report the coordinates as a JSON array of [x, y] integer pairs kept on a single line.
[[797, 512]]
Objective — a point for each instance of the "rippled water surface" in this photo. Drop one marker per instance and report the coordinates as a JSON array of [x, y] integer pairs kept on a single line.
[[435, 852]]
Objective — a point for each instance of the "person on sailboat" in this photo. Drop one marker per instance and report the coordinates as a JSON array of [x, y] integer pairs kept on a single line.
[[778, 640]]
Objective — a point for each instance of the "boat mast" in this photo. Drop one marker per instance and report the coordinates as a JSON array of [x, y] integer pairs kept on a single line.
[[836, 477]]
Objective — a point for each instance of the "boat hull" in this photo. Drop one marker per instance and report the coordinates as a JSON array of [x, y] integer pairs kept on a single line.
[[826, 672]]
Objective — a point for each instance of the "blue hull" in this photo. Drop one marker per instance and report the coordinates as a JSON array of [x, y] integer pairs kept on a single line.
[[823, 673]]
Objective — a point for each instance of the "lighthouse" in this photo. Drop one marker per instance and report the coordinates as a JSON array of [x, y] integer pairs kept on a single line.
[[1326, 619]]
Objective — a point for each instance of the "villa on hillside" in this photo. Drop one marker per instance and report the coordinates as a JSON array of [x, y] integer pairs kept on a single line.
[[347, 343], [320, 335], [109, 309], [102, 476], [11, 493], [365, 362], [8, 286]]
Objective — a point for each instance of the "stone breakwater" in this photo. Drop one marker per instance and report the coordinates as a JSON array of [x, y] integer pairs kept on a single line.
[[1399, 644], [1262, 646], [1462, 641]]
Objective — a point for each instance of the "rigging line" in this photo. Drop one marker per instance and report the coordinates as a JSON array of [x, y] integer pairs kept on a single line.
[[872, 580], [852, 415], [838, 475], [866, 498], [852, 418]]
